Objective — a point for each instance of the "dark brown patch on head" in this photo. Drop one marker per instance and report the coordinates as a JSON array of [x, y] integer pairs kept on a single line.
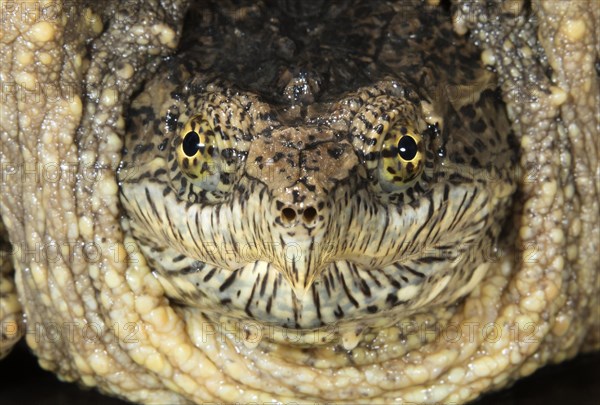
[[477, 126]]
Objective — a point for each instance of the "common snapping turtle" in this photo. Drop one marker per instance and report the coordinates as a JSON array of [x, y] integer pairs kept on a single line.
[[303, 202]]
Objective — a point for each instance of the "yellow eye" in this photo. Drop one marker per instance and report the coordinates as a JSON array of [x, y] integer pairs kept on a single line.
[[402, 156], [197, 152]]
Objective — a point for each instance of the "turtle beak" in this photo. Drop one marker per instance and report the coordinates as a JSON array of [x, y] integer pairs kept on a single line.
[[300, 264]]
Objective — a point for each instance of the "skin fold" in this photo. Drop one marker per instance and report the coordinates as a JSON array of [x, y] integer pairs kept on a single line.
[[73, 275]]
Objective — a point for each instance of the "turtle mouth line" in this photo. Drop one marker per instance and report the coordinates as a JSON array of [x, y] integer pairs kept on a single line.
[[342, 291]]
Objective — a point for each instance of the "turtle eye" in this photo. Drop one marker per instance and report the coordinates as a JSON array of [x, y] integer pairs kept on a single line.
[[197, 150], [407, 148], [191, 144], [402, 156]]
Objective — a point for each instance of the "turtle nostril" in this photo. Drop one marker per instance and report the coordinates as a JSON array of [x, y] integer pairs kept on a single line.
[[288, 214], [310, 214]]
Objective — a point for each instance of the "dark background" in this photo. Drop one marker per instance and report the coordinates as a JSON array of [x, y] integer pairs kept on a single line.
[[577, 381]]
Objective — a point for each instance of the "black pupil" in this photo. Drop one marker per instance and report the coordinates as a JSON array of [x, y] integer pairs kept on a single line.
[[407, 148], [191, 143]]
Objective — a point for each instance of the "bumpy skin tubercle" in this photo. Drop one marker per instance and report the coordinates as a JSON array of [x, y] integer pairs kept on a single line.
[[116, 255]]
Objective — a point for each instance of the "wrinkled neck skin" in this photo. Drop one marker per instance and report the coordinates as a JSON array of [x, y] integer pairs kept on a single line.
[[357, 307]]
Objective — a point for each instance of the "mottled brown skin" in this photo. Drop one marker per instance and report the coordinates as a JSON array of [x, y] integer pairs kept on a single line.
[[304, 159], [542, 295]]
